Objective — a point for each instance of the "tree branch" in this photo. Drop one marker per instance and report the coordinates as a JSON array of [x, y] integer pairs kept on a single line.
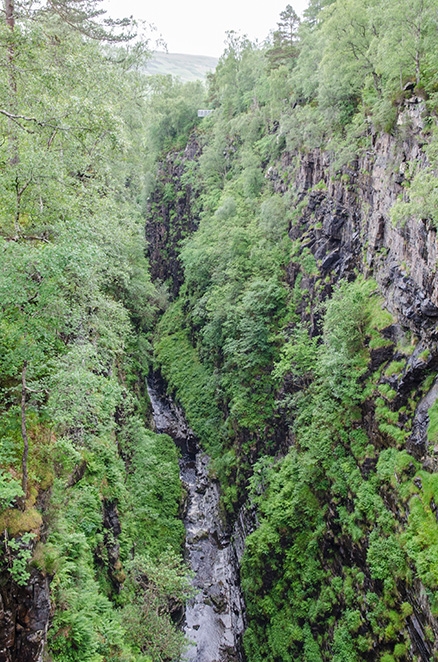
[[24, 480], [12, 116], [28, 237]]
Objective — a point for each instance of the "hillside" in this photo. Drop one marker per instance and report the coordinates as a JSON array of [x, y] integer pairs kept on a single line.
[[186, 67], [219, 343], [298, 234]]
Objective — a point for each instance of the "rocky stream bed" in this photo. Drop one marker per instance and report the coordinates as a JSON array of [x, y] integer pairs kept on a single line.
[[214, 618]]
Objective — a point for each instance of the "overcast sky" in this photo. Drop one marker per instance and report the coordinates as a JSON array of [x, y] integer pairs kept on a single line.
[[198, 27]]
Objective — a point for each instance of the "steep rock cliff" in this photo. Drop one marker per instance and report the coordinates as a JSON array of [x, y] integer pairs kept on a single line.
[[24, 616], [170, 216], [343, 220], [357, 232], [345, 223]]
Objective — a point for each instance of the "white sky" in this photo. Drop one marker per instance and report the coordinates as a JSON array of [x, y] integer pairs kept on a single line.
[[198, 27]]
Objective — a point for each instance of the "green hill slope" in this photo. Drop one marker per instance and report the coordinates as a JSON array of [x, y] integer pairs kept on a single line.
[[185, 67]]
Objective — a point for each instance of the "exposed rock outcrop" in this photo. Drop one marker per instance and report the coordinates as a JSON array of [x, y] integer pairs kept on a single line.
[[24, 617], [347, 224], [170, 216]]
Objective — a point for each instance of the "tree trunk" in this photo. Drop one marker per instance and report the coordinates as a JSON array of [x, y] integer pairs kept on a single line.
[[10, 15], [24, 479], [10, 22], [417, 67]]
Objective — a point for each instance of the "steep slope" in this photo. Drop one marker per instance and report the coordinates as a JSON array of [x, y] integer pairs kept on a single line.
[[302, 346], [295, 238], [91, 540]]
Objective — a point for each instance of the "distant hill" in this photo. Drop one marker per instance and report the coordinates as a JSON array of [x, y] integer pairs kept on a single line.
[[186, 67]]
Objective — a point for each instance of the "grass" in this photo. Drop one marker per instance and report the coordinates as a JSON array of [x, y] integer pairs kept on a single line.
[[394, 367], [432, 430]]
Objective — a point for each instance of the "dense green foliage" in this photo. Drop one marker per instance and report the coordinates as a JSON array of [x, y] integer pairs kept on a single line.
[[76, 311], [317, 501], [327, 571], [272, 357]]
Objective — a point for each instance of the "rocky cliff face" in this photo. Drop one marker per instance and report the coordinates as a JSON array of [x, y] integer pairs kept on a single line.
[[345, 224], [171, 216], [24, 617], [26, 609]]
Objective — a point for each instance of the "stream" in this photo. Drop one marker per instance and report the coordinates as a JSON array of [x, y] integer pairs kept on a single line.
[[214, 618]]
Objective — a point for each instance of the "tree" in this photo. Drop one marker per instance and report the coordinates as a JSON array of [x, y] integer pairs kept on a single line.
[[28, 338], [285, 39], [171, 111], [25, 456], [84, 16], [350, 29], [61, 133], [232, 80], [406, 51], [69, 239], [312, 13], [288, 25]]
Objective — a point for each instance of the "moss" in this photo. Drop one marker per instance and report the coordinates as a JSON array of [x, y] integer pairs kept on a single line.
[[424, 355], [406, 609], [46, 558], [359, 444], [394, 467], [308, 263], [395, 367], [421, 535], [180, 364], [407, 350], [400, 651], [387, 392], [393, 432], [377, 341], [380, 317], [320, 186], [17, 521], [432, 428]]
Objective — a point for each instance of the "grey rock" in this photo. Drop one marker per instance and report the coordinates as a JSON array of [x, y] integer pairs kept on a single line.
[[331, 260], [214, 619], [24, 618]]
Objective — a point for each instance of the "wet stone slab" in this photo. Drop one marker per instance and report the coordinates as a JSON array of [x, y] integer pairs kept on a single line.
[[214, 620], [214, 616]]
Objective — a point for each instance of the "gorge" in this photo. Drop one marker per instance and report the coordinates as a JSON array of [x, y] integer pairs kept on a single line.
[[218, 343], [214, 617], [345, 224]]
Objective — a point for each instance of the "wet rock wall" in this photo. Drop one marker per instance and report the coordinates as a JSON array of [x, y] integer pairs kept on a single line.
[[24, 617], [347, 226]]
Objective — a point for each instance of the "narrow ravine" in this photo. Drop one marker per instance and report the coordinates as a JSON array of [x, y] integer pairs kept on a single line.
[[214, 619]]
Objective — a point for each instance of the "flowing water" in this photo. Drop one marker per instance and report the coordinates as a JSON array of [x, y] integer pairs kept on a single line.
[[214, 618]]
